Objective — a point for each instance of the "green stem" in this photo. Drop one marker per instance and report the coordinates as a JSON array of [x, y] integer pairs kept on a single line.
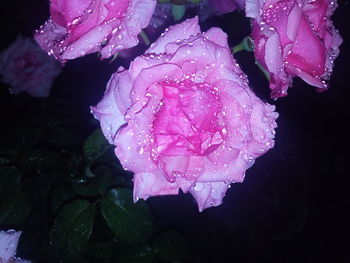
[[237, 48], [266, 73], [246, 44], [145, 38]]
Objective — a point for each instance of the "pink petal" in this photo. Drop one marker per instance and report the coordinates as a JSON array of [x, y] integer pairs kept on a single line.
[[8, 244], [150, 184], [108, 112], [175, 34], [209, 194]]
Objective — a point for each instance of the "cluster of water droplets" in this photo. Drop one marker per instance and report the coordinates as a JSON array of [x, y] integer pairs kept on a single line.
[[333, 51]]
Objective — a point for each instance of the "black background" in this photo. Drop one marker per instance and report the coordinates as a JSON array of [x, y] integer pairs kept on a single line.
[[293, 204]]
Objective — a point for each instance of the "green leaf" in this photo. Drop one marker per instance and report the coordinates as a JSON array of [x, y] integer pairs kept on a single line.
[[101, 232], [131, 222], [15, 209], [95, 145], [178, 11], [86, 188], [133, 253], [121, 181], [71, 230], [61, 195], [97, 185], [170, 246], [10, 179]]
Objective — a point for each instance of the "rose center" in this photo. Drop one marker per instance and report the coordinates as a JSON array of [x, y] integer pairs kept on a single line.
[[190, 120]]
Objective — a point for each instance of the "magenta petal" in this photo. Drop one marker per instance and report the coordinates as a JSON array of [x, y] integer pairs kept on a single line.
[[175, 34]]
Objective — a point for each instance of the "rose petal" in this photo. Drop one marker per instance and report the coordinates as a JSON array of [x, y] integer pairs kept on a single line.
[[8, 244]]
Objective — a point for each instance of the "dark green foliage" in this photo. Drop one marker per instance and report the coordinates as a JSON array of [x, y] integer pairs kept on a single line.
[[131, 222], [71, 230], [95, 146], [71, 197]]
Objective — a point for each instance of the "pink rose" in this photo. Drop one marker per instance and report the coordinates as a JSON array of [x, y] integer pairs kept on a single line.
[[227, 6], [183, 117], [79, 27], [27, 68], [294, 38]]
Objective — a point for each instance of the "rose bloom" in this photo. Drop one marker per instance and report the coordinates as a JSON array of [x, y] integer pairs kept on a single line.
[[294, 38], [183, 117], [26, 68], [79, 27]]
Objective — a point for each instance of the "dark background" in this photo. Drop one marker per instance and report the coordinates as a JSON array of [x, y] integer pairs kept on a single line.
[[293, 204]]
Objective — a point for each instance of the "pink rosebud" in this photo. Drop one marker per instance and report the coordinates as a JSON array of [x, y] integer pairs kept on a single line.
[[27, 68], [227, 6], [80, 27], [183, 117], [294, 38]]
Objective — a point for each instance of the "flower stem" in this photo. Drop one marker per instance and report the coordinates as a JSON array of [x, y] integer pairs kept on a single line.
[[237, 48], [145, 38], [246, 44], [266, 73]]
